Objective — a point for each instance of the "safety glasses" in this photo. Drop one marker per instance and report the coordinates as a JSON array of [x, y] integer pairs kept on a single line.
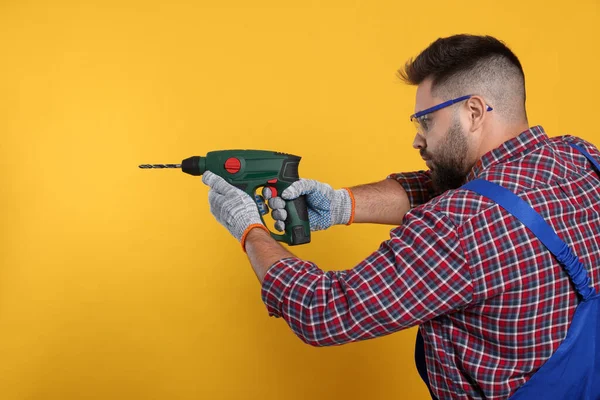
[[423, 123]]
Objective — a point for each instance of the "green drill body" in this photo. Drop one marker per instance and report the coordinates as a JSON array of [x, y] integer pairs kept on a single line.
[[250, 169]]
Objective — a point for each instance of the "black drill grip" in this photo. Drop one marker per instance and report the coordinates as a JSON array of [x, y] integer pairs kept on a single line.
[[297, 226]]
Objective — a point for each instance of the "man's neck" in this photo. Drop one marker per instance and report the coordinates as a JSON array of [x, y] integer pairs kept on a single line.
[[501, 135]]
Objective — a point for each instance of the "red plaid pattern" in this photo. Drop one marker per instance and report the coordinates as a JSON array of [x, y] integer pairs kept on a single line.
[[417, 185], [491, 301]]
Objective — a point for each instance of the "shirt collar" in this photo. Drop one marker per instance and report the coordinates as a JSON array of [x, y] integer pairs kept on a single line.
[[525, 140]]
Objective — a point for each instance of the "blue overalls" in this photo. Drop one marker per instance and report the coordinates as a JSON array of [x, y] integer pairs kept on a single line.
[[573, 371]]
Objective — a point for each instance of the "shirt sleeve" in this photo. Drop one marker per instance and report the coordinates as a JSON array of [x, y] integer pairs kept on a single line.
[[418, 274], [418, 186]]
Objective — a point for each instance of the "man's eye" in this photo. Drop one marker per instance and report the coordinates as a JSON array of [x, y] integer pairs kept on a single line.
[[425, 123]]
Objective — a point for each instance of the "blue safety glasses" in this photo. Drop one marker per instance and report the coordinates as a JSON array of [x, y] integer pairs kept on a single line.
[[423, 124]]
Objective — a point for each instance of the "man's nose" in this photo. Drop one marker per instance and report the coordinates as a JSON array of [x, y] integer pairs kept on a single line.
[[419, 142]]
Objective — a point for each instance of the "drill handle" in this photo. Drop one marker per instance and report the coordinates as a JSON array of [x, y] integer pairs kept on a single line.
[[297, 226]]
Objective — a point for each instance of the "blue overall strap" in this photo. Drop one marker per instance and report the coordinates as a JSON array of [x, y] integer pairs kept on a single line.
[[530, 218]]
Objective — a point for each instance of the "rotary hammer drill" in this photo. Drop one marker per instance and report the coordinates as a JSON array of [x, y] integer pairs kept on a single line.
[[250, 169]]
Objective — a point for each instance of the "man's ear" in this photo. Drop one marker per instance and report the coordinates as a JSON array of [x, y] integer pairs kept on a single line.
[[476, 110]]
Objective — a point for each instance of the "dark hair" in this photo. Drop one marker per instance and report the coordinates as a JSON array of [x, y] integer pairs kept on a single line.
[[461, 63], [446, 56]]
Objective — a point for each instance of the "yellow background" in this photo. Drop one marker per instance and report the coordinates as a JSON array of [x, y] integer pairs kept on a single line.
[[116, 282]]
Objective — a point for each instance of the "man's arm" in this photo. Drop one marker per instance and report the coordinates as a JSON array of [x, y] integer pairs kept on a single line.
[[384, 202], [419, 273], [423, 262], [263, 251], [387, 202]]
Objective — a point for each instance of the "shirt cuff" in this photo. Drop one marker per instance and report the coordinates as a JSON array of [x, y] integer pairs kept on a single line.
[[278, 280], [418, 186]]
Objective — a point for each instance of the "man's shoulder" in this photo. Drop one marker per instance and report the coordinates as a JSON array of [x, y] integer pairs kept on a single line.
[[564, 142], [553, 161]]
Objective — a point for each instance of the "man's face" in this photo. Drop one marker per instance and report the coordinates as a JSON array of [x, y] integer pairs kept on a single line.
[[444, 145]]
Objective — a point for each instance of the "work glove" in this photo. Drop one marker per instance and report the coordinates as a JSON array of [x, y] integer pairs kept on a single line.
[[326, 206], [232, 207]]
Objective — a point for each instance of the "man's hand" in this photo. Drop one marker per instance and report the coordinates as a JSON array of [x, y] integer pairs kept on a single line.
[[326, 206], [232, 207]]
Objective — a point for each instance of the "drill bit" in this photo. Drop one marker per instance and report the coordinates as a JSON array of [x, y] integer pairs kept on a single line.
[[195, 165], [160, 166]]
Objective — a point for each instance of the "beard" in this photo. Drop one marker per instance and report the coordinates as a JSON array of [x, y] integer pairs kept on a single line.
[[449, 169]]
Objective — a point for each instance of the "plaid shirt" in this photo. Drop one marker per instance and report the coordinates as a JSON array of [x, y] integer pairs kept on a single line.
[[491, 301]]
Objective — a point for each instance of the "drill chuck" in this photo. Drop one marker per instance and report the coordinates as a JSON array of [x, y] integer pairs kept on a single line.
[[195, 165]]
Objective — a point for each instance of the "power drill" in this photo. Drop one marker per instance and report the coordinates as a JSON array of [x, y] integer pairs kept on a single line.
[[250, 169]]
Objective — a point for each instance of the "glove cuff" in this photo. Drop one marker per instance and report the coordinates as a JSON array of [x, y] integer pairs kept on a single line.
[[352, 207], [248, 229], [343, 214]]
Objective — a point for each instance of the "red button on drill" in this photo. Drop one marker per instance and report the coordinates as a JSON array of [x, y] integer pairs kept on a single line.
[[232, 165]]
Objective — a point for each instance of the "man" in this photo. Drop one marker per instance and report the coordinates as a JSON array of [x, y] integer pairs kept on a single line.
[[492, 301]]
